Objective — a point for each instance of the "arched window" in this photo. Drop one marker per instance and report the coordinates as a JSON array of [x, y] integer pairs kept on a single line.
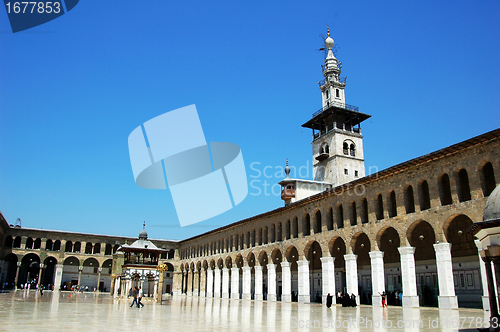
[[380, 207], [345, 148], [306, 225], [354, 215], [445, 190], [97, 248], [352, 150], [8, 242], [295, 227], [409, 200], [49, 244], [364, 214], [425, 201], [317, 222], [393, 211], [108, 250], [488, 179], [37, 244], [69, 246], [340, 216], [464, 188], [57, 245], [29, 243], [88, 248], [17, 242]]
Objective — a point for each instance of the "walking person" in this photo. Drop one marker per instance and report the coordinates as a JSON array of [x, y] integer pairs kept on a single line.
[[329, 300], [135, 294], [140, 298]]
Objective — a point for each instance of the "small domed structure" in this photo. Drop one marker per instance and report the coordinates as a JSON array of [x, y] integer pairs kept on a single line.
[[329, 40], [143, 235], [492, 209]]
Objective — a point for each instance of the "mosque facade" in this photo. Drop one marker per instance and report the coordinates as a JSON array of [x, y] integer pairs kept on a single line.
[[401, 230]]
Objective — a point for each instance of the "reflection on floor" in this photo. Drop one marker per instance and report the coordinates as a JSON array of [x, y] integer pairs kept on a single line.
[[21, 310]]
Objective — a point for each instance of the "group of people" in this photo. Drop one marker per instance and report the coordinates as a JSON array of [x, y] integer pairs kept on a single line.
[[346, 300], [136, 292]]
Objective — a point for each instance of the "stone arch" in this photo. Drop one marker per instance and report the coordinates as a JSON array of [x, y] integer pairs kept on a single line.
[[445, 189], [337, 249], [424, 195], [88, 248], [29, 243], [409, 199], [462, 242], [317, 222], [212, 264], [422, 236], [263, 258], [10, 265], [388, 241], [77, 247], [238, 261], [361, 246], [91, 261], [228, 262], [251, 259], [220, 263], [17, 242], [29, 269], [37, 244]]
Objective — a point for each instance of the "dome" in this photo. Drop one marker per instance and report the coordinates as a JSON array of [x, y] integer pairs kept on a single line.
[[492, 209], [143, 234]]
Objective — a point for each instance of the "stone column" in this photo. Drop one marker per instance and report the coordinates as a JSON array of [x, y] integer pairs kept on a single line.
[[158, 291], [210, 282], [328, 277], [80, 268], [177, 283], [378, 278], [235, 283], [258, 283], [351, 275], [271, 281], [99, 271], [117, 286], [225, 283], [410, 297], [196, 284], [58, 276], [217, 283], [189, 280], [491, 288], [303, 279], [17, 274], [203, 282], [484, 278], [40, 275], [286, 280], [447, 298], [247, 280]]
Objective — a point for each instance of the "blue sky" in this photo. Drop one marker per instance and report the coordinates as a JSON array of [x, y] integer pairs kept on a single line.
[[73, 89]]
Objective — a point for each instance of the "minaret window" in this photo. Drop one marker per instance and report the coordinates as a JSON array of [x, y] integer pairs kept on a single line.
[[352, 150], [346, 148], [337, 93]]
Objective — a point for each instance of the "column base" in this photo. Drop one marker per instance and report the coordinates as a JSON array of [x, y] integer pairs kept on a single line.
[[287, 298], [304, 298], [486, 303], [189, 294], [447, 302], [195, 293], [271, 297], [225, 295], [259, 297], [235, 296], [217, 295], [410, 302], [377, 300], [246, 296], [209, 295], [202, 295]]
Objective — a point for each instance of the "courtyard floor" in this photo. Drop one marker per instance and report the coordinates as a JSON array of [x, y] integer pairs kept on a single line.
[[67, 311]]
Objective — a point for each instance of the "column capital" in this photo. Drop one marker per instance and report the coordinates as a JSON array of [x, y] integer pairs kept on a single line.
[[235, 269], [376, 254], [350, 257], [285, 264], [246, 268], [325, 260], [442, 246], [271, 266], [42, 265], [303, 262], [406, 250], [258, 268], [80, 268], [18, 264]]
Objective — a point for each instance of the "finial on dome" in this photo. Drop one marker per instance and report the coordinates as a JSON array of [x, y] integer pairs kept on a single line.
[[328, 30], [329, 41], [144, 225], [287, 169]]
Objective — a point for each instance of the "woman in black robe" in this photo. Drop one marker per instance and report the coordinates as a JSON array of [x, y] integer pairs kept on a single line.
[[329, 299]]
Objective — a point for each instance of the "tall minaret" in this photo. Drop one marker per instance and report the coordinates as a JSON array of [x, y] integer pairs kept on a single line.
[[337, 140]]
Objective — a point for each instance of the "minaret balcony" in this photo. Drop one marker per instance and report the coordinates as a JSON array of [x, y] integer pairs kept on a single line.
[[287, 193], [322, 156]]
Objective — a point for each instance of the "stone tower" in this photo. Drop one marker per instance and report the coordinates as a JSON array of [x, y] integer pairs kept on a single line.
[[337, 140]]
